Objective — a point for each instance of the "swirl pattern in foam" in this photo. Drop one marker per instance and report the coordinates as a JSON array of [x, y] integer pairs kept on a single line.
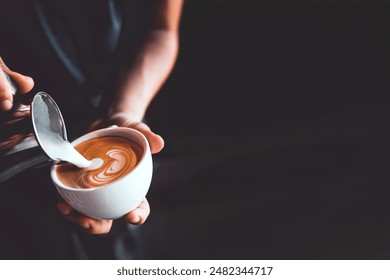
[[119, 156]]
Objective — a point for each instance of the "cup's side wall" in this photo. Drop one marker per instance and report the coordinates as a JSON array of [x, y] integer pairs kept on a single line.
[[115, 200]]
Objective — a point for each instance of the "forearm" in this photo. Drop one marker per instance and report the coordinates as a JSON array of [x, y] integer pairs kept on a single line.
[[140, 81]]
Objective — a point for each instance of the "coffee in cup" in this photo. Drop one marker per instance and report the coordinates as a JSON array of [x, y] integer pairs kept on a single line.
[[112, 158]]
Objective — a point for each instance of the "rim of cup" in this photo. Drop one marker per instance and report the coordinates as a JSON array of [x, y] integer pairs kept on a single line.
[[145, 147]]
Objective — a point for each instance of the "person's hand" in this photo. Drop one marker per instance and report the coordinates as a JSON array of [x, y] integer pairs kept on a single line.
[[95, 226], [140, 214], [24, 84]]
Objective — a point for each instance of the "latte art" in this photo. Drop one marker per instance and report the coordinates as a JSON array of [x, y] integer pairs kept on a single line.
[[115, 164], [116, 155]]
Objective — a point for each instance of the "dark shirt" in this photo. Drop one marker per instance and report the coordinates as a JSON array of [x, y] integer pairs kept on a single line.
[[73, 49]]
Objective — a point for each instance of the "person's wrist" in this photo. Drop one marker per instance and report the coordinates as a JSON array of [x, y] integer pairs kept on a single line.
[[129, 117], [132, 108]]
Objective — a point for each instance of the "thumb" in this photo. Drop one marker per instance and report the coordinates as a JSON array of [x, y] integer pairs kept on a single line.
[[24, 84]]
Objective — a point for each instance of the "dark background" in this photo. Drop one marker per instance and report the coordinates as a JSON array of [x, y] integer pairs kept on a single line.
[[276, 116], [264, 67]]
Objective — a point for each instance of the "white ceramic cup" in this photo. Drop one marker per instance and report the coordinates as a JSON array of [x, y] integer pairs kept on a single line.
[[119, 197]]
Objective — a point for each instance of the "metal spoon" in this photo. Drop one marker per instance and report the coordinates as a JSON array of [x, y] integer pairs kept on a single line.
[[50, 131]]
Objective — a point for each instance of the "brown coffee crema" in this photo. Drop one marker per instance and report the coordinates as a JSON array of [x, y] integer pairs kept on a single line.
[[119, 156]]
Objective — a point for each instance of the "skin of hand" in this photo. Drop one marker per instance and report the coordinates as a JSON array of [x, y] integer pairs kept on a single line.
[[137, 216], [24, 84]]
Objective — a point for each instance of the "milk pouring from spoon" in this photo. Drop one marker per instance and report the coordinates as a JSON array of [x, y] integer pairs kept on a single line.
[[50, 131]]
